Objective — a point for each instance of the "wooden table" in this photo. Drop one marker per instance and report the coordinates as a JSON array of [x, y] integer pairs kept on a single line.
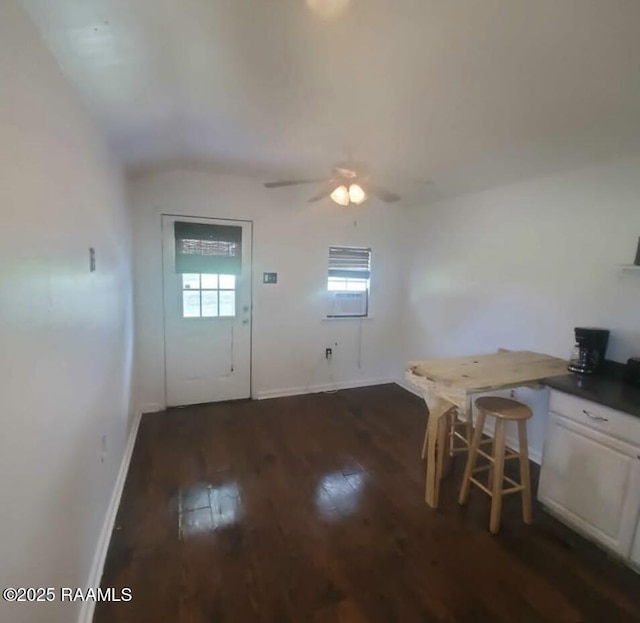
[[448, 384]]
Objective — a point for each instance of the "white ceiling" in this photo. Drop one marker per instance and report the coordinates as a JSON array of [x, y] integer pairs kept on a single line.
[[467, 93]]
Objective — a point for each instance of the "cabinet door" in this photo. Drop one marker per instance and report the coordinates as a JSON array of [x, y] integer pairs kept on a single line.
[[635, 551], [591, 481]]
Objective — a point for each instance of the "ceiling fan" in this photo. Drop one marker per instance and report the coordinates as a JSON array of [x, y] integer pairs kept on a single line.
[[349, 184]]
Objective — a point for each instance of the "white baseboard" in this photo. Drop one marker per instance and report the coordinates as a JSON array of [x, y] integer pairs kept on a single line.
[[410, 387], [315, 389], [152, 408], [95, 574]]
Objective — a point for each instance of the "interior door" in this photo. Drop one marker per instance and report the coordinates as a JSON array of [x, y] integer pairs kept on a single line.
[[207, 315]]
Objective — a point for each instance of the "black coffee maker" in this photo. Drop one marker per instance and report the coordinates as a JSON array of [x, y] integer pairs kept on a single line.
[[588, 353]]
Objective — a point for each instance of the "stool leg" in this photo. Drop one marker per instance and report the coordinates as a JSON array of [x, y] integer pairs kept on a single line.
[[469, 426], [452, 428], [493, 454], [498, 475], [525, 477], [471, 459], [469, 429]]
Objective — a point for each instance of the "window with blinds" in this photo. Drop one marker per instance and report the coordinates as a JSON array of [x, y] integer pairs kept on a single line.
[[348, 281], [208, 249]]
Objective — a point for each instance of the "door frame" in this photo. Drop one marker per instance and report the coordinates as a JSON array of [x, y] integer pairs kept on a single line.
[[164, 311]]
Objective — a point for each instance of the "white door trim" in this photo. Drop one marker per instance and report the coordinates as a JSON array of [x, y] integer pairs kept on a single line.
[[203, 219]]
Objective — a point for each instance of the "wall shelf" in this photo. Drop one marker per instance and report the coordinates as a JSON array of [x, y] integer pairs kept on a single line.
[[623, 268]]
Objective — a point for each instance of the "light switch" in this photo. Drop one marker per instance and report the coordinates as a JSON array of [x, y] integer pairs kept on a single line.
[[92, 260]]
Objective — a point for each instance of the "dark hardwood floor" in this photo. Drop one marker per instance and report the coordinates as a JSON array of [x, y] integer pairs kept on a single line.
[[310, 510]]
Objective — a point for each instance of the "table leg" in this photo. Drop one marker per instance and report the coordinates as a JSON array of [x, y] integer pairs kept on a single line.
[[424, 443], [469, 428], [442, 449], [438, 408], [432, 436]]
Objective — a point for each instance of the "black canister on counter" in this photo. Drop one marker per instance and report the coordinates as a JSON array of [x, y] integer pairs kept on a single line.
[[632, 372]]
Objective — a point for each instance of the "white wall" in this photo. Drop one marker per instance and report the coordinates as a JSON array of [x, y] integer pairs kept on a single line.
[[520, 266], [65, 334], [290, 237]]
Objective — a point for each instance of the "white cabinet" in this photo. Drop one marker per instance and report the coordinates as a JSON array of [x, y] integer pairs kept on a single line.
[[590, 478], [635, 552]]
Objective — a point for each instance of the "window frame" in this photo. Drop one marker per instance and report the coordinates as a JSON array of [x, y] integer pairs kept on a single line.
[[365, 280], [200, 290]]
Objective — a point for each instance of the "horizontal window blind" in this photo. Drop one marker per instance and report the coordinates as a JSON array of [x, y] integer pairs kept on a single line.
[[351, 262], [208, 248]]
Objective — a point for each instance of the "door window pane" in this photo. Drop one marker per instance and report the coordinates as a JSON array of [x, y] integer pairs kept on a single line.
[[190, 281], [227, 303], [208, 296], [209, 282], [227, 282], [209, 303], [191, 304]]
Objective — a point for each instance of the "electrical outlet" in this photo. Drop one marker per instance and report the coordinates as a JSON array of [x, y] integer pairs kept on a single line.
[[328, 352], [512, 393]]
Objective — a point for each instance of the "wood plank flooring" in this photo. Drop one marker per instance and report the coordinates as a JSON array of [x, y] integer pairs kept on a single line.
[[311, 510]]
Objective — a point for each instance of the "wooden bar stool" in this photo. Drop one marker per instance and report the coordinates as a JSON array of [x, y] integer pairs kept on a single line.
[[457, 429], [503, 410]]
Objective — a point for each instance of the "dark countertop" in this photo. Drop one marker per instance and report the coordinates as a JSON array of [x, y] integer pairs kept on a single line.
[[608, 388]]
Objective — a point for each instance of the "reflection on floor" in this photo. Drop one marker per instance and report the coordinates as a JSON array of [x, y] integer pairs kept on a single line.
[[338, 494], [310, 510], [204, 507]]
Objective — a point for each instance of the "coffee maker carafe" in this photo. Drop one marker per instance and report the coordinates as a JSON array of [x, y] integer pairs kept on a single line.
[[588, 353]]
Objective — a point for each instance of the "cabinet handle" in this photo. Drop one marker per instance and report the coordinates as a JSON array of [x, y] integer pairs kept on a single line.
[[599, 418]]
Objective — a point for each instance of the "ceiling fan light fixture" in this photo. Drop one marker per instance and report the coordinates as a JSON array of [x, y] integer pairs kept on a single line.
[[341, 195], [357, 194], [328, 9]]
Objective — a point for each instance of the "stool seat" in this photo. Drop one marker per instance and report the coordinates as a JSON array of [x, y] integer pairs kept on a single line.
[[504, 408]]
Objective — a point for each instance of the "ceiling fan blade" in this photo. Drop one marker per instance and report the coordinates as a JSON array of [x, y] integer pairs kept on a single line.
[[279, 184], [384, 194], [321, 195]]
